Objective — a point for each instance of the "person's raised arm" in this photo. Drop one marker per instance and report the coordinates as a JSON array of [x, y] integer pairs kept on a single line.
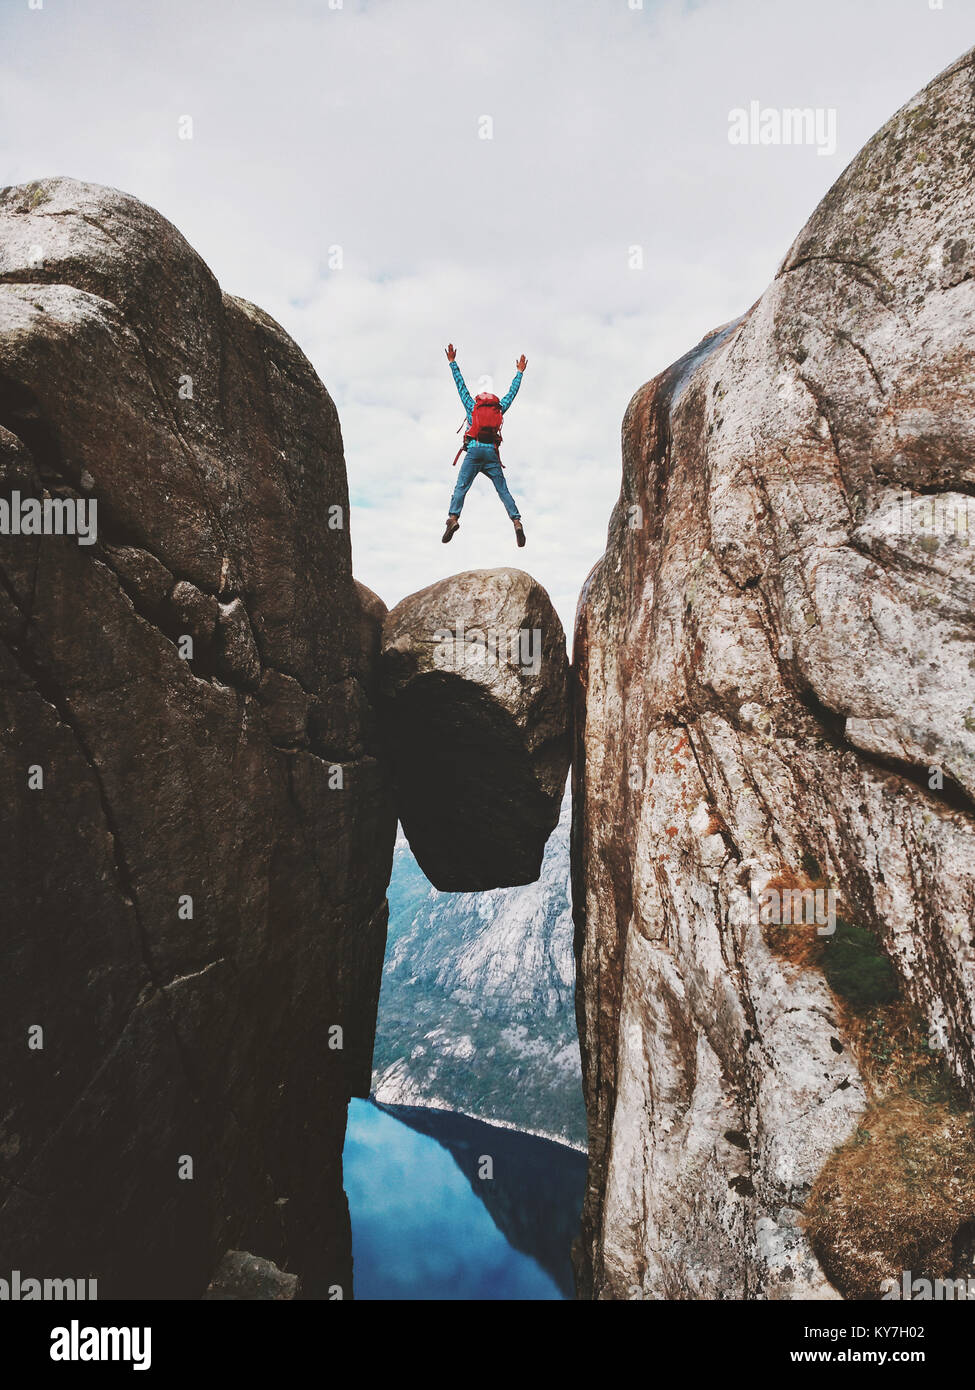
[[520, 366], [466, 398]]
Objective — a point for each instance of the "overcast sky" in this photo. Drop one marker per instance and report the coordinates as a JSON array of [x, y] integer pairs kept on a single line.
[[359, 127]]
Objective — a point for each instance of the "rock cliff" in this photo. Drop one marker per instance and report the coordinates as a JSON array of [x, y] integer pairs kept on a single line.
[[197, 830], [774, 787]]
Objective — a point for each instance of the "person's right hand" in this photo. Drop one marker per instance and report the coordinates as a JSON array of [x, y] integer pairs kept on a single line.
[[522, 363], [451, 352]]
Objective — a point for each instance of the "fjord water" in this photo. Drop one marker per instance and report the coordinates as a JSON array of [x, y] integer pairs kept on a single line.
[[426, 1225]]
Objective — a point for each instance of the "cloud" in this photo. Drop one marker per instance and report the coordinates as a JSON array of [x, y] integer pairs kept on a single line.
[[316, 127]]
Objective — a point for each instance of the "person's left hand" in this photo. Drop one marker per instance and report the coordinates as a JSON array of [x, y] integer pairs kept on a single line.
[[522, 363]]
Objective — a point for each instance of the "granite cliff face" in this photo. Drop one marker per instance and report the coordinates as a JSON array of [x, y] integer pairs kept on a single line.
[[197, 829], [775, 699], [475, 707]]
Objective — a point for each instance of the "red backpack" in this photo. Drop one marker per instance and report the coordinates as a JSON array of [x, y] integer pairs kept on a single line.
[[486, 420]]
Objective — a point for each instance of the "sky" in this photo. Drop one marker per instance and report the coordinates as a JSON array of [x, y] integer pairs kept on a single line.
[[338, 175]]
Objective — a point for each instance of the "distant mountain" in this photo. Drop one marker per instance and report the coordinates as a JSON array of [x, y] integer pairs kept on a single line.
[[477, 1011]]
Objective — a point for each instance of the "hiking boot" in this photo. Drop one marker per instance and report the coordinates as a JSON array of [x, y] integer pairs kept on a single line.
[[452, 525], [519, 533]]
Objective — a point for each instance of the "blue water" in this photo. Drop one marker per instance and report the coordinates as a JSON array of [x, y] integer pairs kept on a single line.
[[420, 1229]]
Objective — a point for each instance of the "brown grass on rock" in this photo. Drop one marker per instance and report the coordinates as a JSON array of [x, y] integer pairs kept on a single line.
[[896, 1195], [893, 1198]]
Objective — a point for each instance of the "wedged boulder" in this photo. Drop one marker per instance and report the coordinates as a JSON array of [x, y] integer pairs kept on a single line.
[[196, 824], [476, 718], [775, 690]]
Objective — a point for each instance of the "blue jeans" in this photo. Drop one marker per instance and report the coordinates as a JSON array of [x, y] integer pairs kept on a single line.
[[482, 458]]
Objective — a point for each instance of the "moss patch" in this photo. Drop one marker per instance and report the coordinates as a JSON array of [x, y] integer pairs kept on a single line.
[[856, 968]]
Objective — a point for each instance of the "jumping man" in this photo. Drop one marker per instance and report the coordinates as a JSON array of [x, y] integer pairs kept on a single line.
[[480, 446]]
